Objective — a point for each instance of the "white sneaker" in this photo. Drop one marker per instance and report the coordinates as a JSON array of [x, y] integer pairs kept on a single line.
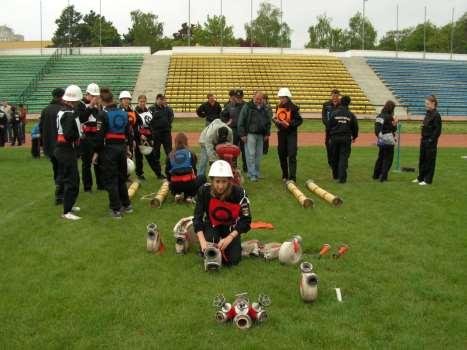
[[75, 209], [70, 216], [415, 181], [178, 198], [423, 183]]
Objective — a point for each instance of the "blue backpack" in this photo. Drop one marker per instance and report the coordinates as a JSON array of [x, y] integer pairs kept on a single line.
[[180, 162], [118, 121]]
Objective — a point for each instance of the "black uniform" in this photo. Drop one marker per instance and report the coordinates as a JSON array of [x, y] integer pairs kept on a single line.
[[431, 131], [180, 167], [3, 128], [343, 129], [208, 111], [328, 109], [384, 131], [115, 129], [68, 135], [143, 121], [231, 112], [287, 139], [161, 126], [48, 130], [91, 142], [15, 124], [217, 219]]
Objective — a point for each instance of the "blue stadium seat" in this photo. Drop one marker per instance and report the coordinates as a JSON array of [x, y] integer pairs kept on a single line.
[[412, 80]]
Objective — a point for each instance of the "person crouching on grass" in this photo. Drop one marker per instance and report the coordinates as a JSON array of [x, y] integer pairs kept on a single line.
[[181, 171], [222, 213]]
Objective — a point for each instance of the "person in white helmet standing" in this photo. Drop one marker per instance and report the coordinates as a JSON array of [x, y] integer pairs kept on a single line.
[[287, 120], [68, 134], [91, 140], [222, 213]]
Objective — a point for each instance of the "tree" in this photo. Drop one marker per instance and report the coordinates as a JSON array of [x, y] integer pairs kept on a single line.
[[69, 29], [266, 29], [355, 32], [146, 30], [110, 36], [215, 32], [181, 36], [321, 33]]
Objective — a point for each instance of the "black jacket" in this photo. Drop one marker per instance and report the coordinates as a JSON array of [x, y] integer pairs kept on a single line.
[[296, 118], [328, 109], [231, 112], [208, 111], [431, 127], [254, 120], [69, 125], [162, 118], [238, 196], [383, 124], [343, 123], [48, 126]]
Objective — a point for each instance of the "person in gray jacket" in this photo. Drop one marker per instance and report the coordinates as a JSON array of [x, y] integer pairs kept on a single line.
[[213, 134], [254, 128]]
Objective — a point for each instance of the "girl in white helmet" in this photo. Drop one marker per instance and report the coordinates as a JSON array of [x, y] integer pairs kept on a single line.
[[222, 213]]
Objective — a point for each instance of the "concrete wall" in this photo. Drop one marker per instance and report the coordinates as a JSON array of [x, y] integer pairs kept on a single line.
[[83, 50], [247, 50], [394, 54]]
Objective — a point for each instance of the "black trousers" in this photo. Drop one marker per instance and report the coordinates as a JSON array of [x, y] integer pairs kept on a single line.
[[36, 148], [114, 170], [88, 147], [16, 135], [237, 141], [383, 163], [189, 188], [233, 252], [58, 180], [163, 139], [151, 158], [340, 153], [3, 136], [287, 151], [327, 143], [68, 175], [427, 161]]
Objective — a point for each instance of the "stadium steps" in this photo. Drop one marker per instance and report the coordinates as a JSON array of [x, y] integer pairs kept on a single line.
[[152, 77], [117, 72], [370, 83], [310, 78]]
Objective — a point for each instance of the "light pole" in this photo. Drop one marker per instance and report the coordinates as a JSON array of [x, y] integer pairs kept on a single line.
[[397, 30], [100, 27], [251, 26], [69, 28], [222, 31], [363, 25], [280, 32], [189, 23], [452, 32], [40, 15], [424, 36]]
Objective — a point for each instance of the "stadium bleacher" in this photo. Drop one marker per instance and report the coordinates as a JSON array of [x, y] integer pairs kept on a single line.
[[15, 74], [117, 72], [412, 80], [310, 78]]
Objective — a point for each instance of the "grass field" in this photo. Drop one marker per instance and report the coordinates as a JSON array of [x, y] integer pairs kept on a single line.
[[91, 284]]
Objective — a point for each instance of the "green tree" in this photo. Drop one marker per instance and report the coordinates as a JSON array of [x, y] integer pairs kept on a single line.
[[215, 32], [460, 34], [180, 38], [110, 36], [68, 29], [266, 29], [321, 33], [146, 30], [355, 32]]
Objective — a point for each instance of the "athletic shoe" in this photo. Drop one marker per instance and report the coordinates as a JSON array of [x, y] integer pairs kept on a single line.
[[423, 183], [190, 200], [128, 209], [70, 216], [415, 181], [178, 198], [116, 214], [75, 209]]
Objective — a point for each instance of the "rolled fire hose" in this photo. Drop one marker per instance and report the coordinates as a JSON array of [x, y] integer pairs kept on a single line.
[[133, 189], [304, 201], [161, 195], [328, 197]]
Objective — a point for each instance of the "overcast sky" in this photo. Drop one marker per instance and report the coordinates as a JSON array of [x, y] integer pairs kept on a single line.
[[23, 15]]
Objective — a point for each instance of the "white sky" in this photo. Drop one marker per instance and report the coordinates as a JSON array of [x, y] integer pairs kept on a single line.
[[23, 15]]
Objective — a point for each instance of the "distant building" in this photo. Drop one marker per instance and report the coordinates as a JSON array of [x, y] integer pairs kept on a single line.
[[7, 34]]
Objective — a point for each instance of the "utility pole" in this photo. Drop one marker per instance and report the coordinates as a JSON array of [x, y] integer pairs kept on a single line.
[[251, 26], [452, 33], [280, 32], [222, 31], [189, 23], [40, 14], [363, 26], [100, 27], [397, 30], [69, 28], [424, 36]]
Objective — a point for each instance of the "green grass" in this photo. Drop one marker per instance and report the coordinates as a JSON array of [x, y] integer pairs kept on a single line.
[[91, 284], [316, 126]]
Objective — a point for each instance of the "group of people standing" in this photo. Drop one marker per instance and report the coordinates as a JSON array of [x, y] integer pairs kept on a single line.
[[12, 124]]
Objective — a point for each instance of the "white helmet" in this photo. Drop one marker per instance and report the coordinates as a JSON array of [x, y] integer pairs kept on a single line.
[[145, 149], [124, 94], [73, 93], [93, 89], [284, 92], [220, 168], [130, 166]]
